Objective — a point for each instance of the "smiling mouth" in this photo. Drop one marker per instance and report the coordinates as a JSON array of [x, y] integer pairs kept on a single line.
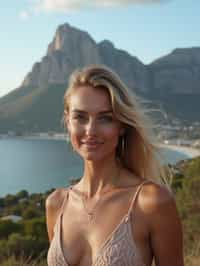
[[91, 144]]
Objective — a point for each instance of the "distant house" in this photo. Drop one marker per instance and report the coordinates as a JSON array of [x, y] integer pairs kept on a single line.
[[196, 144], [13, 218], [22, 200], [178, 142]]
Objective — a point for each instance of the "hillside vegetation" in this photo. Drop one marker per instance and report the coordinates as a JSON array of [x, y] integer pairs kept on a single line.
[[186, 184], [33, 110]]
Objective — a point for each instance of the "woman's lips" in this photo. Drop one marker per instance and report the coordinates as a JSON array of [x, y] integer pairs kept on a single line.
[[91, 144]]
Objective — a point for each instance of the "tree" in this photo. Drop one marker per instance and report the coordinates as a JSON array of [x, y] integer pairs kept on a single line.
[[1, 202], [30, 213], [10, 200], [22, 194]]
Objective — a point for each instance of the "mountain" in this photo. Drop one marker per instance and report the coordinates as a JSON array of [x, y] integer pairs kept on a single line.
[[72, 48], [178, 72], [176, 83], [171, 81]]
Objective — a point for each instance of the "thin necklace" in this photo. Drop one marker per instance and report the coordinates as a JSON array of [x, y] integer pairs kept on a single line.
[[91, 213]]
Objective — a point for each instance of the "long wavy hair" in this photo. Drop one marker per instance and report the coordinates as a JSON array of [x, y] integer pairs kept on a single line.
[[137, 149]]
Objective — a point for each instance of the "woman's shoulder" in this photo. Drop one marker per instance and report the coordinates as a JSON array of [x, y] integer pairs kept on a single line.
[[155, 194], [55, 199], [156, 200]]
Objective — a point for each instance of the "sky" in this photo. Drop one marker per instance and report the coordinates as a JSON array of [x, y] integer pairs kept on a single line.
[[147, 29]]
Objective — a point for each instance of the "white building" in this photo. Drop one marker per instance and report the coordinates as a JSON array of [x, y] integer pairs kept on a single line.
[[13, 218]]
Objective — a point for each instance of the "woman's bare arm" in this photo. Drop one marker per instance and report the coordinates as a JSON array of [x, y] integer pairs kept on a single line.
[[165, 227]]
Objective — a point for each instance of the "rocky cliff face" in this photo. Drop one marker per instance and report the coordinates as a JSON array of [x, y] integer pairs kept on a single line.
[[177, 73], [132, 71], [72, 48]]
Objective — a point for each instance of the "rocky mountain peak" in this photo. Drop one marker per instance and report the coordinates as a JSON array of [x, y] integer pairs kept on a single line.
[[106, 44], [70, 48], [67, 37]]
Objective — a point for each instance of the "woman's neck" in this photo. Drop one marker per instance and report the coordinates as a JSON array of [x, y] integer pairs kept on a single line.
[[99, 177]]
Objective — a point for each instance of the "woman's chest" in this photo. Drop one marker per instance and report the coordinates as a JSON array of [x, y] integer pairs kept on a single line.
[[118, 248], [111, 237]]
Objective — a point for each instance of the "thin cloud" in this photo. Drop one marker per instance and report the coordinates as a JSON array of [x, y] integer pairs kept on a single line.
[[61, 5], [24, 15], [71, 5]]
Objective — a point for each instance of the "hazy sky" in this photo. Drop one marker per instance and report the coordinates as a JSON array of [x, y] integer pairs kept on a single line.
[[147, 29]]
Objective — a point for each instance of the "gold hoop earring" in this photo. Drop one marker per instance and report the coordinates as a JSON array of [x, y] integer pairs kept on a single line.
[[123, 145]]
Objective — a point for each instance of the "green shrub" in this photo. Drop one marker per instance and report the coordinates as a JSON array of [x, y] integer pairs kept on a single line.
[[23, 246], [22, 194], [36, 228], [30, 213], [7, 227], [22, 261]]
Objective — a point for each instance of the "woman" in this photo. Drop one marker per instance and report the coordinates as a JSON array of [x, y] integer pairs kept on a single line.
[[116, 214]]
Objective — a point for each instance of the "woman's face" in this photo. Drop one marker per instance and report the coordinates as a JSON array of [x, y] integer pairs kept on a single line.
[[94, 131]]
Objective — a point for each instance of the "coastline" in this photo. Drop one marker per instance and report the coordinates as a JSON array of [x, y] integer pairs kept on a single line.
[[189, 151], [37, 137]]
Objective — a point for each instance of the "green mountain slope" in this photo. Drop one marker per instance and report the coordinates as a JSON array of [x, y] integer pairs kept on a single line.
[[37, 110]]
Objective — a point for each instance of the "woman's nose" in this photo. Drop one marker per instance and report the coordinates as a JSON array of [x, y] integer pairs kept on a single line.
[[91, 127]]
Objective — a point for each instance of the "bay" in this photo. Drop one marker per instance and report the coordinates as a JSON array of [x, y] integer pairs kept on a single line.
[[38, 165]]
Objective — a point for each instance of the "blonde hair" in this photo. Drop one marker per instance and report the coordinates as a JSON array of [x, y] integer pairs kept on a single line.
[[136, 149]]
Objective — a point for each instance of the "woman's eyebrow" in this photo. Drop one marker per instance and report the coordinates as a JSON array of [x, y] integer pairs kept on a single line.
[[78, 111], [85, 112], [106, 112]]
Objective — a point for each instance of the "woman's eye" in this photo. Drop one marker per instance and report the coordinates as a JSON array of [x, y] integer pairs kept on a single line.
[[82, 118], [79, 117], [106, 118]]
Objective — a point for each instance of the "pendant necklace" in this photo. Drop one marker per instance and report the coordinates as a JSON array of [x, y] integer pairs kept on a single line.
[[90, 213]]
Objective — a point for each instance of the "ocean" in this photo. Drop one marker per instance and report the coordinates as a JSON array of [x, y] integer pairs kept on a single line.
[[38, 165]]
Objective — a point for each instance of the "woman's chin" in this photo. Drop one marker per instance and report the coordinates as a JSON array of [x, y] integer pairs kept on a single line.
[[92, 157], [96, 156]]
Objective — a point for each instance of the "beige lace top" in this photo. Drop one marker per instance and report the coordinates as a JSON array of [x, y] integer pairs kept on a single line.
[[118, 250]]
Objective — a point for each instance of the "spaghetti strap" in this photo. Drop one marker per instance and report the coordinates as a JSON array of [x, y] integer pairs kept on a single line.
[[57, 224], [64, 200], [135, 196]]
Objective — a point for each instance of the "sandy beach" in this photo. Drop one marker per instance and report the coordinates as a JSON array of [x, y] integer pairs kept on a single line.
[[189, 151]]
